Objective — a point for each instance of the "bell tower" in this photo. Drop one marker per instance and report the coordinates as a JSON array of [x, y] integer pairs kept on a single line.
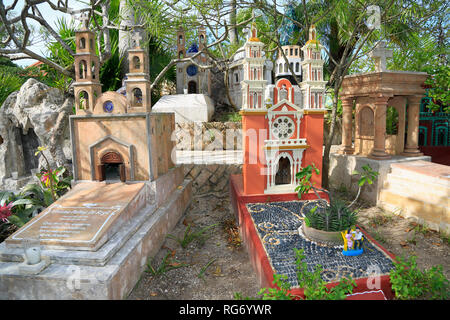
[[87, 87], [181, 43], [312, 85], [253, 84], [138, 82]]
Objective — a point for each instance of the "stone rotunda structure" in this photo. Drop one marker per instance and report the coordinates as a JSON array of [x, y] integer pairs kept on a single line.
[[371, 94]]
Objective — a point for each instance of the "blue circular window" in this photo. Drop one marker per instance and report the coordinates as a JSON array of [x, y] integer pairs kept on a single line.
[[191, 70], [108, 106]]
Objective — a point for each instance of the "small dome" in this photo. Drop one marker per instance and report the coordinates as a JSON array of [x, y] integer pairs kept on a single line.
[[193, 48]]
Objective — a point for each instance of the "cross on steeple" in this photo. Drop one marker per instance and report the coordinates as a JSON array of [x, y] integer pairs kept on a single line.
[[84, 18], [380, 53], [137, 39]]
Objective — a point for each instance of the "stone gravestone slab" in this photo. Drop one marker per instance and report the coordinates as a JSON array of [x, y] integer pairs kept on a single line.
[[85, 224]]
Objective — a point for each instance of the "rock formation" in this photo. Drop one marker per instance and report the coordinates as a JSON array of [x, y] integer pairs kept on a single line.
[[36, 115]]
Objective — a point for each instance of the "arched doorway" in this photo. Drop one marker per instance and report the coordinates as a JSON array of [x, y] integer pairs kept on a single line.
[[111, 167], [283, 175], [192, 87]]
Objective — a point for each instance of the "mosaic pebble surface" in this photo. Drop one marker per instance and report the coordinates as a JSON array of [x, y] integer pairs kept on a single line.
[[277, 224]]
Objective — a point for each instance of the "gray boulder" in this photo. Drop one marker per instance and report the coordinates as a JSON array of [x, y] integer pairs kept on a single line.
[[36, 115]]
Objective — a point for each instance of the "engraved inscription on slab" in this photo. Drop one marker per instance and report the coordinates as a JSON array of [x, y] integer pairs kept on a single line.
[[75, 226]]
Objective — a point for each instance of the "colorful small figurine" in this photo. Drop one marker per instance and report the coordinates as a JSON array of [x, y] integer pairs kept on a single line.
[[353, 239]]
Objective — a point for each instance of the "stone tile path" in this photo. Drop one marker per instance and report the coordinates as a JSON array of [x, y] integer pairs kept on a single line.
[[277, 225]]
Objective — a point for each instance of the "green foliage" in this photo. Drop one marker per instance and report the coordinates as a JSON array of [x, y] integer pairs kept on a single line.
[[230, 117], [439, 91], [367, 175], [304, 176], [206, 266], [58, 54], [280, 292], [335, 217], [22, 208], [12, 77], [9, 83], [409, 282], [315, 288], [189, 236], [391, 121]]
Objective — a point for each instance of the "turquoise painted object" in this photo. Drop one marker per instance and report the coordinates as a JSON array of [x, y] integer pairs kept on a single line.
[[349, 253]]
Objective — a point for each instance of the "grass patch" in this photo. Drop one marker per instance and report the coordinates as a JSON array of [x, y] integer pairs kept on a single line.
[[166, 264], [206, 266], [199, 235]]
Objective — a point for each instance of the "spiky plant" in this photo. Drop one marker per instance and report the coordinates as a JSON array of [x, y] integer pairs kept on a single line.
[[335, 217]]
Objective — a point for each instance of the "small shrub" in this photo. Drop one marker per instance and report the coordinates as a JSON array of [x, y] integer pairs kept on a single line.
[[315, 288], [409, 282], [335, 217]]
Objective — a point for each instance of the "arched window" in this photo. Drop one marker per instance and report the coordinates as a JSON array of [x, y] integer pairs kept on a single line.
[[255, 100], [83, 69], [82, 43], [93, 70], [285, 67], [180, 40], [297, 67], [291, 66], [83, 100], [137, 97], [136, 62], [180, 55], [202, 38], [280, 68]]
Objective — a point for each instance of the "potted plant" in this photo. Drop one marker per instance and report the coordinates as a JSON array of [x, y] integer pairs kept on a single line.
[[326, 222]]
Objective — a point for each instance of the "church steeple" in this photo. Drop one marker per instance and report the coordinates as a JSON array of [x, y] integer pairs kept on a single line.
[[253, 84], [138, 82], [312, 85], [87, 85]]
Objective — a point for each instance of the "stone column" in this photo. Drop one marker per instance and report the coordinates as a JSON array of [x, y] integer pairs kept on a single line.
[[412, 138], [379, 151], [347, 127]]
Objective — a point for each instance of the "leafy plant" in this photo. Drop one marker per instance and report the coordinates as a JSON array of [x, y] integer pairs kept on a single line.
[[166, 265], [315, 288], [367, 175], [281, 290], [53, 180], [16, 208], [205, 267], [335, 217], [190, 236], [304, 176], [409, 282]]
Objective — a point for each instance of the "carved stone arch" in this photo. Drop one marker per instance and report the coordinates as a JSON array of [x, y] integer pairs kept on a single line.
[[110, 150], [283, 170]]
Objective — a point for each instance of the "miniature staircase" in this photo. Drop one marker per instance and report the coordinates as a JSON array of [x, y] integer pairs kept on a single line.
[[419, 189]]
